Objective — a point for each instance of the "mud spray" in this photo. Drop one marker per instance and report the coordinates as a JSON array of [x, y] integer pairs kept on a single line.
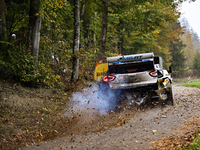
[[90, 103]]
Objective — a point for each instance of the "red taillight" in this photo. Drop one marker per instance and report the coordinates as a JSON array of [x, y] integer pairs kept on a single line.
[[153, 74], [108, 78]]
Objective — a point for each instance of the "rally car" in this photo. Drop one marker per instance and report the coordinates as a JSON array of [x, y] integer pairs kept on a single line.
[[139, 78]]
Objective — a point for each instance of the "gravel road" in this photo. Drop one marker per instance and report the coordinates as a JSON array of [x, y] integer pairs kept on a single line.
[[137, 131]]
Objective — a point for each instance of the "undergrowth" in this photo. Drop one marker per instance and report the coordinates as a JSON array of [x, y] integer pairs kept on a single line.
[[195, 145]]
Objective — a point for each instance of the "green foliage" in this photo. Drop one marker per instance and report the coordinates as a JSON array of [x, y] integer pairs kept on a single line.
[[196, 63], [178, 56], [17, 19], [142, 26], [193, 83], [57, 20], [23, 67], [195, 145], [135, 26]]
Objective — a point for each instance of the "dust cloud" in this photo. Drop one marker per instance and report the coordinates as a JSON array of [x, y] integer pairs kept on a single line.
[[89, 103]]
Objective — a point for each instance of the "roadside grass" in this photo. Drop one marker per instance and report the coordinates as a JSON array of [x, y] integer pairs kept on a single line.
[[184, 82], [29, 115], [193, 83], [195, 145]]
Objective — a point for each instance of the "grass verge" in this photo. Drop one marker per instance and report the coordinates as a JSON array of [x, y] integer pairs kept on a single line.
[[195, 145], [196, 142], [184, 82]]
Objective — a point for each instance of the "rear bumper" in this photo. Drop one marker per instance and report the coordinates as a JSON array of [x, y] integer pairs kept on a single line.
[[134, 86]]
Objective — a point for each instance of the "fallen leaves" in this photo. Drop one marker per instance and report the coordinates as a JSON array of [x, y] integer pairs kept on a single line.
[[163, 116], [154, 131], [55, 131]]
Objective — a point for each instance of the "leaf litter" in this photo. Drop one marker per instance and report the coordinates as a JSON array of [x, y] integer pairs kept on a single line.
[[28, 120]]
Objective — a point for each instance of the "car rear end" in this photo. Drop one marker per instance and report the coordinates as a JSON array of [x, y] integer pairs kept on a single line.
[[134, 75], [131, 72]]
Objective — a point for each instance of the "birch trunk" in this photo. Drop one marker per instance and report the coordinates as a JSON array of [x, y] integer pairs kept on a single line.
[[35, 20], [102, 47], [76, 41], [36, 36]]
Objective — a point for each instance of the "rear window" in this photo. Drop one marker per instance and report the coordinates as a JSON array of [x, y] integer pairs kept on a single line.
[[131, 67]]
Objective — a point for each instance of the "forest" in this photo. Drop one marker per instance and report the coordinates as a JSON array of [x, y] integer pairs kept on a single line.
[[48, 53], [59, 41]]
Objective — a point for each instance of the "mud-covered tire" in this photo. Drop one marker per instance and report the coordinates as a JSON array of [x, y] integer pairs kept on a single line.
[[170, 98]]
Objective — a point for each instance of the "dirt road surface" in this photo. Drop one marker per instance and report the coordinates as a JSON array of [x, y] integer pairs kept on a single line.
[[129, 129]]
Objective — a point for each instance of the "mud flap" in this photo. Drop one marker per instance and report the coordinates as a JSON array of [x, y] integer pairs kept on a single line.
[[166, 95], [170, 97]]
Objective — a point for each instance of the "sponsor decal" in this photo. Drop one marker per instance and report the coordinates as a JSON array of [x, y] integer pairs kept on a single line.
[[131, 57]]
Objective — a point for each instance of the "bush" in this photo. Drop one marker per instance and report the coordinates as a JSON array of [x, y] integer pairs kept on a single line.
[[20, 65]]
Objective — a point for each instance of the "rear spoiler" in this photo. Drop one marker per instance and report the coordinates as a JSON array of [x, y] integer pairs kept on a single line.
[[128, 58]]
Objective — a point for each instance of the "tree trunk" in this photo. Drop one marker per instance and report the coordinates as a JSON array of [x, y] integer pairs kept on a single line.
[[76, 41], [35, 20], [82, 9], [102, 47], [81, 19], [3, 10]]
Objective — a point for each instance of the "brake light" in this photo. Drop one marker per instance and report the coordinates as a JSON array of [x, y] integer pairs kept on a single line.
[[108, 78], [153, 74]]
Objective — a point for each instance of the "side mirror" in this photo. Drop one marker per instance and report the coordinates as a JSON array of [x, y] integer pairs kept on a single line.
[[160, 75], [170, 70]]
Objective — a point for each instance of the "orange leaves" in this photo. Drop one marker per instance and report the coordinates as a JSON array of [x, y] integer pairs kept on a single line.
[[41, 134]]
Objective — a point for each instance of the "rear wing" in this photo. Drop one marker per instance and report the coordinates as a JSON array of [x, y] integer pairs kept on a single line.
[[130, 58], [100, 69]]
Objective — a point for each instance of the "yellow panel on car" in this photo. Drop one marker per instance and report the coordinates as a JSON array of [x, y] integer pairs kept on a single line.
[[100, 69]]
